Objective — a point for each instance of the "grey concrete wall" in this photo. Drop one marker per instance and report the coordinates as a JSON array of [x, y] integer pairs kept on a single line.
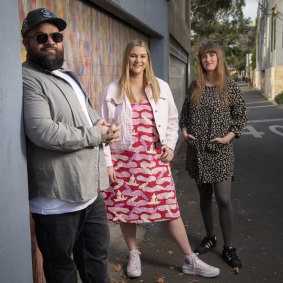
[[267, 58], [278, 56], [178, 27], [151, 13], [159, 55], [15, 250], [150, 17], [154, 15]]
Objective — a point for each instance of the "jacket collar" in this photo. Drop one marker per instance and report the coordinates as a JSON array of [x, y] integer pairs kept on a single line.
[[115, 95], [148, 92]]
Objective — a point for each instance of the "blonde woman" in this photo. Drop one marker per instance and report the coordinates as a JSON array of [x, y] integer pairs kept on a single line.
[[213, 114], [142, 189]]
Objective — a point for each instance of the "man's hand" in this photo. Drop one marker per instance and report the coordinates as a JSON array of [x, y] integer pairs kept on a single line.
[[109, 132], [114, 134], [104, 129]]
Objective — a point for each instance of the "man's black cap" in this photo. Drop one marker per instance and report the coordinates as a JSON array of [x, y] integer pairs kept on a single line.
[[41, 15]]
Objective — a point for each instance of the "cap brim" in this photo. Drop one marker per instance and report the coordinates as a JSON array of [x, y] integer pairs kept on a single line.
[[59, 23]]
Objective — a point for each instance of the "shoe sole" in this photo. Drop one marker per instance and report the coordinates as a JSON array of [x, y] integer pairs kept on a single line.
[[134, 274], [232, 265], [191, 271], [202, 252]]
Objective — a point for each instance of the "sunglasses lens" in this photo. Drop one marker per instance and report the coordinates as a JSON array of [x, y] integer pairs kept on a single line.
[[42, 38], [57, 37]]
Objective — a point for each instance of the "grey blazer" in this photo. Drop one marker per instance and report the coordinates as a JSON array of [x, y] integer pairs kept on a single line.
[[64, 154]]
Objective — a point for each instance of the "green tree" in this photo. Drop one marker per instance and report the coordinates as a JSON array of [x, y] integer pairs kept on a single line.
[[222, 20]]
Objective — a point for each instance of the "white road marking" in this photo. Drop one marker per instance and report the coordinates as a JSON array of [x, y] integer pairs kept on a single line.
[[250, 130], [265, 120], [260, 106], [275, 128]]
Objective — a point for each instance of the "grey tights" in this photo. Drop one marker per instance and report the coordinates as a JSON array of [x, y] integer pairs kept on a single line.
[[222, 196]]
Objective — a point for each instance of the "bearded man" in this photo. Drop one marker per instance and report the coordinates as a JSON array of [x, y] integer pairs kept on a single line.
[[66, 164]]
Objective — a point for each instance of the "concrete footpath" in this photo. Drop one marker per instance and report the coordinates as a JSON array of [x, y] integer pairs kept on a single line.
[[161, 259]]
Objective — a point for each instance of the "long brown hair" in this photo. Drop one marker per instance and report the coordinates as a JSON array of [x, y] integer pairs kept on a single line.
[[221, 70], [125, 86]]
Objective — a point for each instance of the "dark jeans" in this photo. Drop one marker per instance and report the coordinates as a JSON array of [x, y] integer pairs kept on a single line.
[[85, 233]]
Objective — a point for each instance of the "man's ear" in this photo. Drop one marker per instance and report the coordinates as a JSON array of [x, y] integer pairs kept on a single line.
[[25, 42]]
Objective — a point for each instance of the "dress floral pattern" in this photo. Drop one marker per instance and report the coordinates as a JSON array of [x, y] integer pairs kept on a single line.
[[212, 162], [144, 190]]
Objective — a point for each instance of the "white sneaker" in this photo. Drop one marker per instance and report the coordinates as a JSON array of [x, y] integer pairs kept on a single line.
[[134, 264], [195, 266]]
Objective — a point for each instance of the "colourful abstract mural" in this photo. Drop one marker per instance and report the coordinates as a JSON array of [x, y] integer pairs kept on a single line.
[[94, 43]]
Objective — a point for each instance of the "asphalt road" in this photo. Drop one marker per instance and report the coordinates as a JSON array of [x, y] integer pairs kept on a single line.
[[258, 210]]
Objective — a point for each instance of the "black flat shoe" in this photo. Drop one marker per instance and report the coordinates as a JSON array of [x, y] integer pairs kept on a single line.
[[206, 245]]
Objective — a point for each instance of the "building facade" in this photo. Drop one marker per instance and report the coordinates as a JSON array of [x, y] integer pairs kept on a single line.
[[268, 75]]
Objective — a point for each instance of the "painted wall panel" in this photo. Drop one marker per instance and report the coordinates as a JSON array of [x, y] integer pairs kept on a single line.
[[94, 41]]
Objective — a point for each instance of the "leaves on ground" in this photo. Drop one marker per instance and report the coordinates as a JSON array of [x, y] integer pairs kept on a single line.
[[170, 252], [160, 280], [118, 267], [236, 270]]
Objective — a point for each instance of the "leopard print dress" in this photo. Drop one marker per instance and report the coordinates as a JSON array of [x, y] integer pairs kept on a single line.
[[208, 162]]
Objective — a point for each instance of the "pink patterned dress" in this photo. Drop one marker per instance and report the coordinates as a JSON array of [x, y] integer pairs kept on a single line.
[[144, 190]]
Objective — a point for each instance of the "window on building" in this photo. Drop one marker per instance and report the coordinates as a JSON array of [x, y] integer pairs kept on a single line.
[[273, 33], [178, 71]]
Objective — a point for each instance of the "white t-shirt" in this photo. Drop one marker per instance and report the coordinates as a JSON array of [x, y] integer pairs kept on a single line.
[[44, 205]]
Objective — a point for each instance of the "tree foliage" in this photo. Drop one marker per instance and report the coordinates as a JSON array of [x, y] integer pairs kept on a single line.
[[222, 20]]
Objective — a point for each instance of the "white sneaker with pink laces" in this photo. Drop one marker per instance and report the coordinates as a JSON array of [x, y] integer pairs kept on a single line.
[[195, 266], [134, 264]]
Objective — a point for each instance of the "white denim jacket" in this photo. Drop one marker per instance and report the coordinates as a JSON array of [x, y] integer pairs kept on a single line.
[[115, 111]]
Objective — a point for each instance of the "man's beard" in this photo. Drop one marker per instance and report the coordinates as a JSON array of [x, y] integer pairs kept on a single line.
[[49, 62]]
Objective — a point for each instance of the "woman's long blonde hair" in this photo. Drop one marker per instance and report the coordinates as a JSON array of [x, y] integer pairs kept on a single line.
[[221, 70], [125, 86]]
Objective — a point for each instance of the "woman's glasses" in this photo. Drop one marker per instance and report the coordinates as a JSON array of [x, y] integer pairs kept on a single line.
[[42, 38]]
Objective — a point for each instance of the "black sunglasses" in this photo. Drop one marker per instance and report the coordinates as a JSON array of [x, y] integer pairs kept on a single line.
[[42, 38]]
